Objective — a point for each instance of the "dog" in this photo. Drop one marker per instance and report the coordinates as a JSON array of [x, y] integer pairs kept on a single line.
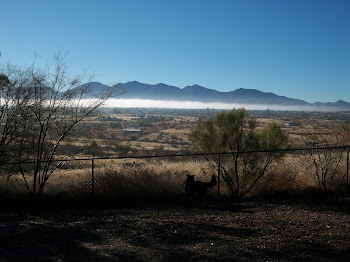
[[197, 188]]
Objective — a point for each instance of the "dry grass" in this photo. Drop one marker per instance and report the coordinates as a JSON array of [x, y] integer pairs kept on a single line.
[[294, 177], [125, 181], [142, 180], [119, 181]]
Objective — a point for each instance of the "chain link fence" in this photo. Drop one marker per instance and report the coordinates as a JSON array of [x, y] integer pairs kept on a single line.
[[148, 178]]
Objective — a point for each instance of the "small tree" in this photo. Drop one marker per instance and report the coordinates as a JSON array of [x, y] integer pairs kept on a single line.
[[235, 132], [94, 149]]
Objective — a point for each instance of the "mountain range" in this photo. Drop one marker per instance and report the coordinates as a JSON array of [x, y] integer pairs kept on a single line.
[[137, 90]]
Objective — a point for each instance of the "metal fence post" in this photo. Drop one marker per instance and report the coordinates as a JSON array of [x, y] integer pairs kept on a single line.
[[219, 167], [92, 179]]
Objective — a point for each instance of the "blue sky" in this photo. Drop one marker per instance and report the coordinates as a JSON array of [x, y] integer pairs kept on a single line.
[[295, 48]]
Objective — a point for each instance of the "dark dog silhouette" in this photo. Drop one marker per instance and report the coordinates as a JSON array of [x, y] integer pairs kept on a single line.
[[197, 188]]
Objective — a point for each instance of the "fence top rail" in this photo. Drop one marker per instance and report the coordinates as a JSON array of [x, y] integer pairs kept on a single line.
[[183, 155]]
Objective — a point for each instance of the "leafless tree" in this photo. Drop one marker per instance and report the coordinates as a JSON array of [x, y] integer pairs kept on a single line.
[[56, 103], [324, 164], [14, 97]]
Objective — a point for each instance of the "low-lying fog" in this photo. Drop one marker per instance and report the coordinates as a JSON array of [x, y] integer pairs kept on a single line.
[[144, 103]]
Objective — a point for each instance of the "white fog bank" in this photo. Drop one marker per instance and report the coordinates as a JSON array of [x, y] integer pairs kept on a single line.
[[144, 103]]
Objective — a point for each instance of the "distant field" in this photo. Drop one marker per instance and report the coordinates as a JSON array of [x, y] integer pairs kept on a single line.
[[166, 131]]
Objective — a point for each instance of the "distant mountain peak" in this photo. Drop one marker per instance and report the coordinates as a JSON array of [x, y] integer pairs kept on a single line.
[[247, 90], [163, 85], [341, 102], [198, 88], [193, 86], [134, 82]]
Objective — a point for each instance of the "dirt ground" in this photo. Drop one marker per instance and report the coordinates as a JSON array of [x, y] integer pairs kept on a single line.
[[247, 231]]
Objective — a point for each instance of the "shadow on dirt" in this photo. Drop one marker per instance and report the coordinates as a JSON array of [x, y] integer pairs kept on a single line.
[[271, 230], [39, 240]]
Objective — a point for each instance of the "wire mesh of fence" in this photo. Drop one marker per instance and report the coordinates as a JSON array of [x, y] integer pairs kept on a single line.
[[65, 181], [70, 181], [145, 178]]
